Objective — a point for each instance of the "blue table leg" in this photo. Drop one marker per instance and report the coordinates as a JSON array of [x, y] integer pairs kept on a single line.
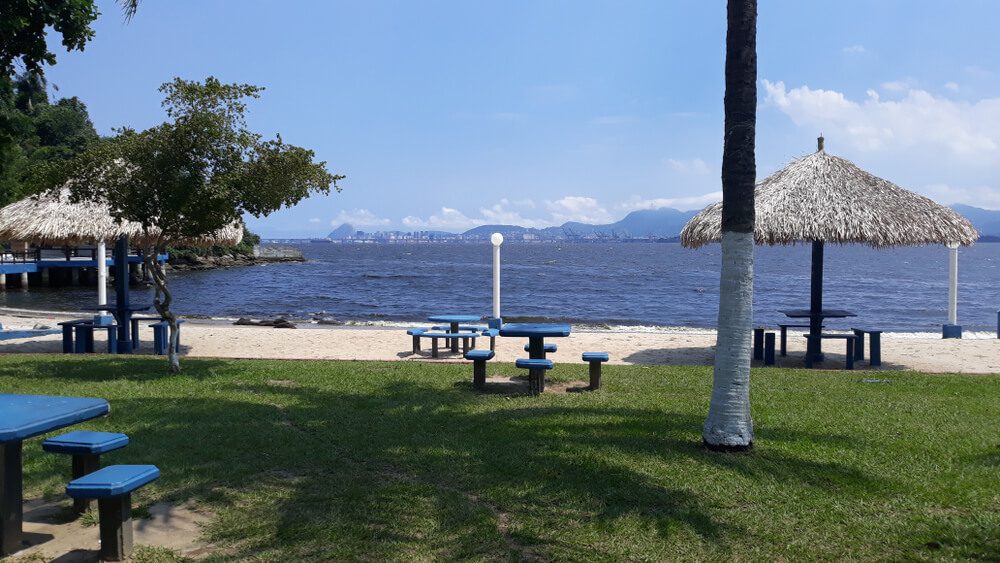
[[11, 497], [135, 333], [67, 338], [454, 341], [536, 351], [80, 346], [112, 340]]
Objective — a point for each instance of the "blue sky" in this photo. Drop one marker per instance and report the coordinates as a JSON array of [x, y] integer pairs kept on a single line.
[[447, 115]]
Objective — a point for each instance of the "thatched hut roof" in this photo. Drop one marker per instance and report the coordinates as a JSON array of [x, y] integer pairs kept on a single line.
[[53, 219], [827, 198]]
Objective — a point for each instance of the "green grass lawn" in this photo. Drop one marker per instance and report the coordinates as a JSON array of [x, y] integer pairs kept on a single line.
[[347, 460]]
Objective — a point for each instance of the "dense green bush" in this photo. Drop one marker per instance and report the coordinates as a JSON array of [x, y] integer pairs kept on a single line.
[[244, 248]]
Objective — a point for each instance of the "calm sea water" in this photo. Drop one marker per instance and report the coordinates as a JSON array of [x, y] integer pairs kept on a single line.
[[633, 284]]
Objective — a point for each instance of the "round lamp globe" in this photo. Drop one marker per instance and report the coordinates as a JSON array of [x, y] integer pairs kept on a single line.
[[496, 239]]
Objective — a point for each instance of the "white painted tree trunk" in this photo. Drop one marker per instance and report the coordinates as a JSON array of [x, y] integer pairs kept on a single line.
[[729, 425]]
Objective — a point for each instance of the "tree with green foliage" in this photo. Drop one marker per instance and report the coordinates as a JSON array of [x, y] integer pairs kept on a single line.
[[34, 131], [191, 176], [24, 25]]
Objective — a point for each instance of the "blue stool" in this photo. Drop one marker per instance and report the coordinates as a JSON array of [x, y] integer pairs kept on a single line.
[[595, 359], [479, 359], [536, 372], [86, 448], [112, 488], [492, 334], [161, 337]]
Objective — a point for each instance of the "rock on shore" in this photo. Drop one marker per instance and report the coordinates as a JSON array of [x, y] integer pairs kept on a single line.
[[262, 255]]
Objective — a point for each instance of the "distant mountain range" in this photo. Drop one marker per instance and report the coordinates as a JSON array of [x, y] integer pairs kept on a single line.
[[653, 223], [645, 223]]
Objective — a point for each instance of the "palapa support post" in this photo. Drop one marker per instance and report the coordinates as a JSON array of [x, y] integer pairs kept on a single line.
[[11, 497], [116, 527], [952, 329], [122, 296], [815, 346]]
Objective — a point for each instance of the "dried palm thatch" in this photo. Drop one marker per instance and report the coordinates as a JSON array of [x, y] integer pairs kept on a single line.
[[51, 218], [822, 197]]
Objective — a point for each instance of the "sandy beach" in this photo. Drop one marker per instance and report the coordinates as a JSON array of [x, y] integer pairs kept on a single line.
[[977, 353]]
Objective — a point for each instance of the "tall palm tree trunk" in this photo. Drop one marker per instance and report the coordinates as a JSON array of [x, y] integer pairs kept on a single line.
[[729, 426]]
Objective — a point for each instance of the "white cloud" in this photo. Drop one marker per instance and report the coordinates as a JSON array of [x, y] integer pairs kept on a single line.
[[448, 219], [682, 203], [693, 166], [897, 86], [967, 130], [953, 86], [359, 218], [512, 212], [577, 208], [854, 49]]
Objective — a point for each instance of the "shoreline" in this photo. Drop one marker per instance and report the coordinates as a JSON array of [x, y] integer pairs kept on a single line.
[[388, 341], [588, 327]]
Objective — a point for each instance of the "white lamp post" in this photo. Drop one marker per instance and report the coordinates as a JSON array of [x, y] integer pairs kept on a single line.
[[952, 329], [497, 240], [102, 274]]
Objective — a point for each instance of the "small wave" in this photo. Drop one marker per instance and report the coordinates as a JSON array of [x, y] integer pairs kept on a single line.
[[388, 276]]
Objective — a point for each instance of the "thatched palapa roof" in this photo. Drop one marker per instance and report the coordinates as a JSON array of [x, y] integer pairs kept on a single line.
[[52, 218], [822, 197]]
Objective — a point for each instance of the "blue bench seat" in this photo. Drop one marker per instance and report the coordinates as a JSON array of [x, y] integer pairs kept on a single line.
[[112, 481], [83, 332], [161, 336], [533, 363], [595, 357], [86, 447], [466, 338], [112, 487], [466, 328], [492, 334], [480, 355], [813, 340], [416, 333], [536, 372], [85, 442]]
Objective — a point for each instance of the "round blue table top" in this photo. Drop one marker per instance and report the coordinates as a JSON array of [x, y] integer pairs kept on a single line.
[[535, 329], [454, 318]]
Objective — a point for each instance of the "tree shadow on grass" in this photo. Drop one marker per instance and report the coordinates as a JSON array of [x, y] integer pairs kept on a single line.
[[402, 467], [103, 367]]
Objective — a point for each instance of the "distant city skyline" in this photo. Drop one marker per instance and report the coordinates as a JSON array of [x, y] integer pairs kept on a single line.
[[450, 115]]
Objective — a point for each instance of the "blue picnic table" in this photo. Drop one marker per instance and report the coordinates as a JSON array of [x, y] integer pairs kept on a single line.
[[23, 417], [455, 321], [536, 334], [814, 347]]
